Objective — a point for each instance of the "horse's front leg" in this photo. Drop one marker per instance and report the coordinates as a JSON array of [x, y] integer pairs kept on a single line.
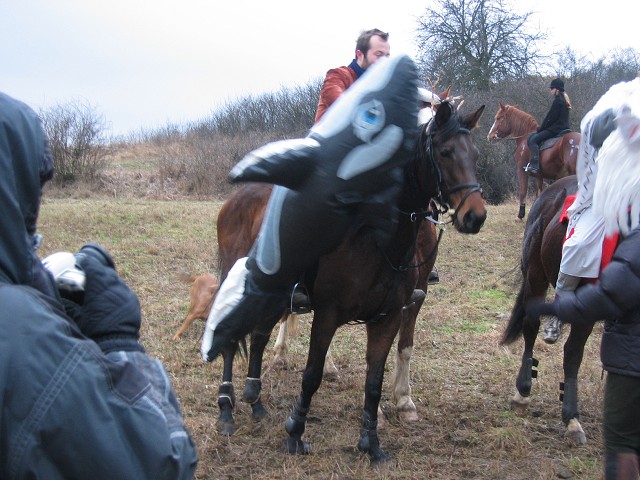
[[523, 185], [253, 383], [400, 387], [226, 395], [321, 336], [380, 337], [573, 353]]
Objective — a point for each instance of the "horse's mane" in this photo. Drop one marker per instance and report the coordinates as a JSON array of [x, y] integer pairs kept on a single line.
[[520, 121]]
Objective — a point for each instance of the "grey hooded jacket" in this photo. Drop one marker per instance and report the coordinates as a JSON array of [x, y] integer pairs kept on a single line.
[[66, 409]]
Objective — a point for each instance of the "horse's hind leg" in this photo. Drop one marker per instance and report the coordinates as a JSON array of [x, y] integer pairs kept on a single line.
[[573, 353], [226, 395], [400, 387], [526, 374]]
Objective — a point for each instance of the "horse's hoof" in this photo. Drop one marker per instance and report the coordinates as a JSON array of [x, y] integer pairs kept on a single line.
[[258, 412], [377, 456], [521, 212], [574, 434], [520, 405], [296, 446], [227, 428], [409, 416]]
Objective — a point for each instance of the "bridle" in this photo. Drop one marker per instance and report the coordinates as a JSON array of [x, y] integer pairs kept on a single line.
[[440, 204]]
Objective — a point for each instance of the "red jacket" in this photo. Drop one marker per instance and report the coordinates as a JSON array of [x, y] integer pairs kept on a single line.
[[335, 83]]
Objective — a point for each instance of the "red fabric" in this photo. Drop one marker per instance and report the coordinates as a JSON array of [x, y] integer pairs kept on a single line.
[[567, 203], [335, 83], [609, 243]]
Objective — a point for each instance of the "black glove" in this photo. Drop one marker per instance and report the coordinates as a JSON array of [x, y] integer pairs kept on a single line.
[[537, 307], [110, 310], [601, 127]]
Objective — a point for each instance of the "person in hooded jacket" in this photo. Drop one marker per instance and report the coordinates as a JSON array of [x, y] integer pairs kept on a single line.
[[556, 121], [79, 398]]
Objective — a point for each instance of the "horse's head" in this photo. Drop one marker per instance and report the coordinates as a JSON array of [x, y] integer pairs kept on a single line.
[[501, 128], [449, 149]]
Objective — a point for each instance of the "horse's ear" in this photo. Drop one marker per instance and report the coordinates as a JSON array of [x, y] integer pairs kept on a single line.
[[445, 93], [443, 114], [503, 106], [471, 120]]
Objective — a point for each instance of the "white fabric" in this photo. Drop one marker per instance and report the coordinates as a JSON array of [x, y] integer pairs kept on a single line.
[[582, 253], [617, 192], [227, 298]]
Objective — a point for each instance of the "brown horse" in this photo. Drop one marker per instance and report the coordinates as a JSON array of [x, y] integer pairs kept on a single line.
[[540, 263], [557, 155], [362, 282]]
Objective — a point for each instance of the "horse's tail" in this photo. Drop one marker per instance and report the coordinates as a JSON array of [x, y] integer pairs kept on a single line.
[[514, 327]]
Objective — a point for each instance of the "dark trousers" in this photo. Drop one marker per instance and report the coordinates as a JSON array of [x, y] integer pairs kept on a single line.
[[535, 140]]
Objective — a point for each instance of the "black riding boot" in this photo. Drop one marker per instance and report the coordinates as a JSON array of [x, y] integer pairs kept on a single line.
[[533, 167]]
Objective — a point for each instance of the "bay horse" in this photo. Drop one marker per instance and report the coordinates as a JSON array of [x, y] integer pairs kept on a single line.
[[557, 155], [360, 282], [540, 264]]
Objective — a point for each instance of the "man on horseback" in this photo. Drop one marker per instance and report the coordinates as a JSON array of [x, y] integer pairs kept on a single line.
[[348, 169], [582, 249], [556, 121]]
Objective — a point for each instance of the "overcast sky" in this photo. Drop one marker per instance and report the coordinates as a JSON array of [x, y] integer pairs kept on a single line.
[[144, 63]]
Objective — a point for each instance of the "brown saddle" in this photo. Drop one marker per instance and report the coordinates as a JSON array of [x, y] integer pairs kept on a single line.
[[552, 141]]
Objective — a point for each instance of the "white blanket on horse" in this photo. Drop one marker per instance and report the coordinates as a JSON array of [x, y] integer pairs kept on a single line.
[[582, 249]]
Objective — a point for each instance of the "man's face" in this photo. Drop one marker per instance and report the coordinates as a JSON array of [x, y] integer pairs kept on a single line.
[[378, 48]]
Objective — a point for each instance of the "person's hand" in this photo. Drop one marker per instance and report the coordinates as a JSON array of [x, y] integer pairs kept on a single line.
[[110, 311], [537, 307]]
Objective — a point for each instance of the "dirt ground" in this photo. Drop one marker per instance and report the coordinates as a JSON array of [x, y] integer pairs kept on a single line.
[[462, 380]]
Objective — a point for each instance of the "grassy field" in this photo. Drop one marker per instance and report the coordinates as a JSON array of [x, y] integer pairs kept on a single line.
[[462, 379]]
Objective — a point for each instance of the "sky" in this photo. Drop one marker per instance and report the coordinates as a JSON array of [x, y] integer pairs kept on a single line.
[[143, 64]]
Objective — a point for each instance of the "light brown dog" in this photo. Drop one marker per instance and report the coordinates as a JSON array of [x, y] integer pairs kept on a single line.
[[203, 291]]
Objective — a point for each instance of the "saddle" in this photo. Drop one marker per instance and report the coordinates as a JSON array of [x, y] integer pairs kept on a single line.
[[552, 141]]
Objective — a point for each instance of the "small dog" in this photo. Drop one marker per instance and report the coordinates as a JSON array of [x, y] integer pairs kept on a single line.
[[203, 290]]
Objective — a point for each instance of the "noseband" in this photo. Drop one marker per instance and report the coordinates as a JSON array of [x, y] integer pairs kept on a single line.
[[443, 191]]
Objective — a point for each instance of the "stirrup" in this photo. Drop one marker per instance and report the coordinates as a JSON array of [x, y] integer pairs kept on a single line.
[[300, 301], [535, 170]]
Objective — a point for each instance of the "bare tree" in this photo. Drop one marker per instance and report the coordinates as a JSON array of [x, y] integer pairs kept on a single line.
[[77, 140], [476, 43]]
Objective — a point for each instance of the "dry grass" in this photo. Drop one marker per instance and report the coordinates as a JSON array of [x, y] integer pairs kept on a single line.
[[462, 379]]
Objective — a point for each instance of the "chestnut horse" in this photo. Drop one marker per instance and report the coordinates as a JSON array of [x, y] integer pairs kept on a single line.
[[362, 282], [557, 155], [540, 263]]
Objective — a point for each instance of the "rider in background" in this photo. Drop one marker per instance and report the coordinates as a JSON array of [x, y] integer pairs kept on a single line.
[[556, 121]]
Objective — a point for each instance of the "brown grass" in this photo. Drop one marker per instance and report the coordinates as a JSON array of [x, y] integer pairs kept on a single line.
[[462, 379]]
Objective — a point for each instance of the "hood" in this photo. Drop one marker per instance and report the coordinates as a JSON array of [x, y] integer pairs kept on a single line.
[[26, 165]]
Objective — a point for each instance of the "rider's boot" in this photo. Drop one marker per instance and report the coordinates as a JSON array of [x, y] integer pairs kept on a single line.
[[552, 329]]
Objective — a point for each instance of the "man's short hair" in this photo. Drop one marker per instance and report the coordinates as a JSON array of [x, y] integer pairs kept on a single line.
[[364, 39]]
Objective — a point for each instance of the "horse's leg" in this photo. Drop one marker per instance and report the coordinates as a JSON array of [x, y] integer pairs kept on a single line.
[[539, 186], [280, 349], [400, 388], [321, 336], [253, 383], [520, 401], [380, 337], [573, 353], [523, 185], [226, 395]]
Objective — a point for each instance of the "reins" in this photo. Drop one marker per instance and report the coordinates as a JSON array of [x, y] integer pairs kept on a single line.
[[439, 198]]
